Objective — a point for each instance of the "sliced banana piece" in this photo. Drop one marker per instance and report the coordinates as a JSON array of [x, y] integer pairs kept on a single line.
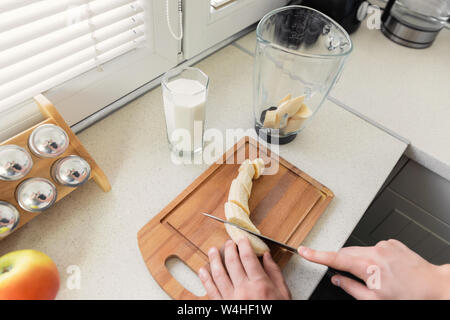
[[236, 215], [303, 113], [290, 107], [238, 195], [288, 97], [259, 166], [272, 120], [247, 166], [246, 180], [293, 125], [258, 246]]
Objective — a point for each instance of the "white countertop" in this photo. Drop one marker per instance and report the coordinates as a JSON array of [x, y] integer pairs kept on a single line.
[[403, 91], [98, 232]]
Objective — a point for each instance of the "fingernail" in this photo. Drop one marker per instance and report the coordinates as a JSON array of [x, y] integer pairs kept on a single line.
[[336, 281], [212, 250], [303, 251], [229, 242], [202, 273]]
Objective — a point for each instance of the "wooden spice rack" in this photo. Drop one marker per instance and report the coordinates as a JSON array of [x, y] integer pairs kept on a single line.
[[42, 166]]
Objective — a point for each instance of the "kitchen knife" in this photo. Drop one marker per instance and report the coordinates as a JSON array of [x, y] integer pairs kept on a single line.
[[280, 244]]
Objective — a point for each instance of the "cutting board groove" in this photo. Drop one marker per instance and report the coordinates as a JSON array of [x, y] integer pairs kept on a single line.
[[284, 206]]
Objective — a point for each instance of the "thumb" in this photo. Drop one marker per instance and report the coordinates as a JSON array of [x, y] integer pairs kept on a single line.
[[354, 288]]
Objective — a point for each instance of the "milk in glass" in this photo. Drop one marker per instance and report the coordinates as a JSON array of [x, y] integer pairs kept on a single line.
[[184, 106]]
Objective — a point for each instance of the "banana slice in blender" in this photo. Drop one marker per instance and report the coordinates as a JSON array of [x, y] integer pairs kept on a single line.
[[271, 119], [258, 246], [303, 113], [236, 215], [287, 98], [290, 107], [238, 195]]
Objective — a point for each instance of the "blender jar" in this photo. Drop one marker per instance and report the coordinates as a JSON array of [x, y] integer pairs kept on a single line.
[[300, 53]]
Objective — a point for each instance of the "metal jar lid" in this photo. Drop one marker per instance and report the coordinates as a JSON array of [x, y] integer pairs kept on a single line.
[[15, 163], [71, 171], [36, 194], [9, 219], [48, 141]]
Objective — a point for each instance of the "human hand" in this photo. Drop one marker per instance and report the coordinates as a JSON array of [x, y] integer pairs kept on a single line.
[[243, 277], [390, 270]]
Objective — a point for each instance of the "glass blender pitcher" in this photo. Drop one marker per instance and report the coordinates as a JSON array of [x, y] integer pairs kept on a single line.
[[300, 53]]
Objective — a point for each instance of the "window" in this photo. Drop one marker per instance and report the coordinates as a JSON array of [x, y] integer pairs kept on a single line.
[[83, 54]]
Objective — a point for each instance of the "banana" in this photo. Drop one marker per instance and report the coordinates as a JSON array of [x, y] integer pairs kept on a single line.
[[237, 210], [258, 246], [272, 120], [290, 107], [287, 98], [247, 166], [238, 195], [293, 125], [295, 122], [245, 179], [303, 113], [258, 164], [236, 215]]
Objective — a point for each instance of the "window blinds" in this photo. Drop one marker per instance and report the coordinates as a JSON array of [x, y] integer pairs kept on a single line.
[[44, 43]]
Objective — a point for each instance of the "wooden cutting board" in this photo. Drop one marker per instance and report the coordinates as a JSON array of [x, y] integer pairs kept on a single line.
[[284, 206]]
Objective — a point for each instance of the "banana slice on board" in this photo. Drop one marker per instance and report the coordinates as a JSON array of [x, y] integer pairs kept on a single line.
[[236, 215], [246, 180], [259, 166], [290, 107], [247, 166], [258, 246], [238, 195]]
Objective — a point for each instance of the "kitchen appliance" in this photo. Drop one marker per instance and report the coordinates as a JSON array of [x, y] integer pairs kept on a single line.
[[347, 13], [48, 141], [9, 219], [284, 206], [15, 163], [415, 23], [71, 171], [36, 194], [299, 52]]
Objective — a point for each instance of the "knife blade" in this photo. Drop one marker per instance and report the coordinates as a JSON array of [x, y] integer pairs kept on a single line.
[[270, 240]]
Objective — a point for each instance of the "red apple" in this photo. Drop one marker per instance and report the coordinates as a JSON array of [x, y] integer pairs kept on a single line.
[[28, 275]]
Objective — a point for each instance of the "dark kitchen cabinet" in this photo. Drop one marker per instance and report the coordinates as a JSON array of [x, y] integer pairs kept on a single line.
[[414, 208]]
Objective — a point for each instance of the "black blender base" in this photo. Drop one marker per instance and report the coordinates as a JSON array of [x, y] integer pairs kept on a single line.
[[268, 138]]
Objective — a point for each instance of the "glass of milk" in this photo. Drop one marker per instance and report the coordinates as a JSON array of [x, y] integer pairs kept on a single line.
[[185, 90]]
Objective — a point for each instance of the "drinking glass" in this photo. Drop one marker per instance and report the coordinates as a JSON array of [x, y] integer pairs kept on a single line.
[[185, 90]]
